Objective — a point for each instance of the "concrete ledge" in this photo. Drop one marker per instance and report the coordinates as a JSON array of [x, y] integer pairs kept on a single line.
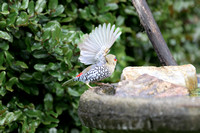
[[117, 114]]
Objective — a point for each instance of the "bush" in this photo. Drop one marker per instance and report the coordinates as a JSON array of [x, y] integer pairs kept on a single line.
[[38, 52]]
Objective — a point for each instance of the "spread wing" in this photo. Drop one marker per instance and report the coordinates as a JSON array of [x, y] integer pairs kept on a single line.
[[96, 45]]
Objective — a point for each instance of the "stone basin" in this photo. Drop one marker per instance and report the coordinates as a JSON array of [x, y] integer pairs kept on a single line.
[[118, 114], [147, 99]]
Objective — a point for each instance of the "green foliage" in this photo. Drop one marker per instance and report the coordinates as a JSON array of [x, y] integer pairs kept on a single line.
[[38, 52]]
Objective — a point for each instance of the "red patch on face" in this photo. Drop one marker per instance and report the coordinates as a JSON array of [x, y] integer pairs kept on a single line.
[[79, 74], [115, 59]]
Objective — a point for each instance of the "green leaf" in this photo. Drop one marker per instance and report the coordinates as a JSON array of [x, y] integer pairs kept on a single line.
[[120, 20], [31, 8], [48, 102], [59, 10], [25, 76], [69, 54], [6, 36], [1, 60], [40, 5], [4, 46], [25, 127], [6, 118], [67, 61], [22, 19], [68, 19], [53, 66], [4, 9], [24, 87], [59, 89], [180, 5], [100, 3], [40, 67], [11, 18], [93, 10], [34, 113], [33, 125], [130, 10], [34, 90], [48, 119], [46, 34], [17, 114], [56, 33], [57, 74], [85, 14], [37, 76], [9, 57], [2, 24], [2, 78], [108, 7], [2, 68], [10, 83], [53, 4], [52, 27], [21, 64], [106, 18], [5, 12], [24, 4], [73, 92], [36, 46], [15, 6], [40, 54], [19, 104], [52, 113], [112, 6], [2, 92]]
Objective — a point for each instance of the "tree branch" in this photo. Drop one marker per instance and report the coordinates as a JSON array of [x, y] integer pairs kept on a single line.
[[153, 32]]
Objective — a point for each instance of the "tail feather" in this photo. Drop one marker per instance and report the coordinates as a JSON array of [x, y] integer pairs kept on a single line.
[[70, 82]]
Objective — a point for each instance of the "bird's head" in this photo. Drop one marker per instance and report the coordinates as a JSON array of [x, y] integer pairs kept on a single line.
[[111, 59]]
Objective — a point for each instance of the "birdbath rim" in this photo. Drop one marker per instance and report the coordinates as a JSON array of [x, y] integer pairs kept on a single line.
[[119, 114]]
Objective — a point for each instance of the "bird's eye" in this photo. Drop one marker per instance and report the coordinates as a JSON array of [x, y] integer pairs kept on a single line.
[[115, 59]]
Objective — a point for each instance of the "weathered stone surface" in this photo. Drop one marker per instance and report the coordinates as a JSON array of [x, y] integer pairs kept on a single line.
[[149, 86], [135, 105], [184, 75], [119, 114]]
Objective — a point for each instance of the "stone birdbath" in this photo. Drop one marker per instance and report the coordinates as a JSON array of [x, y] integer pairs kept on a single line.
[[147, 99], [144, 102]]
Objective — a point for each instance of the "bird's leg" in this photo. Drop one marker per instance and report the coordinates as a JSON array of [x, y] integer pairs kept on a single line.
[[89, 85], [106, 84]]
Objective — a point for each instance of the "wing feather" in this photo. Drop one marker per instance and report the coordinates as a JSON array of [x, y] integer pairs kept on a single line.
[[95, 46]]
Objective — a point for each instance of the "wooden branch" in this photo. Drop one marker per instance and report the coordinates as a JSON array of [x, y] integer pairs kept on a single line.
[[153, 32]]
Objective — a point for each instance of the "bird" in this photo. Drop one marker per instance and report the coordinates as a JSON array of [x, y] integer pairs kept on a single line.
[[94, 49]]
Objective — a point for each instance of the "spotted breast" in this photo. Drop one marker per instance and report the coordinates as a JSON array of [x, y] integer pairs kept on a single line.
[[95, 74]]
